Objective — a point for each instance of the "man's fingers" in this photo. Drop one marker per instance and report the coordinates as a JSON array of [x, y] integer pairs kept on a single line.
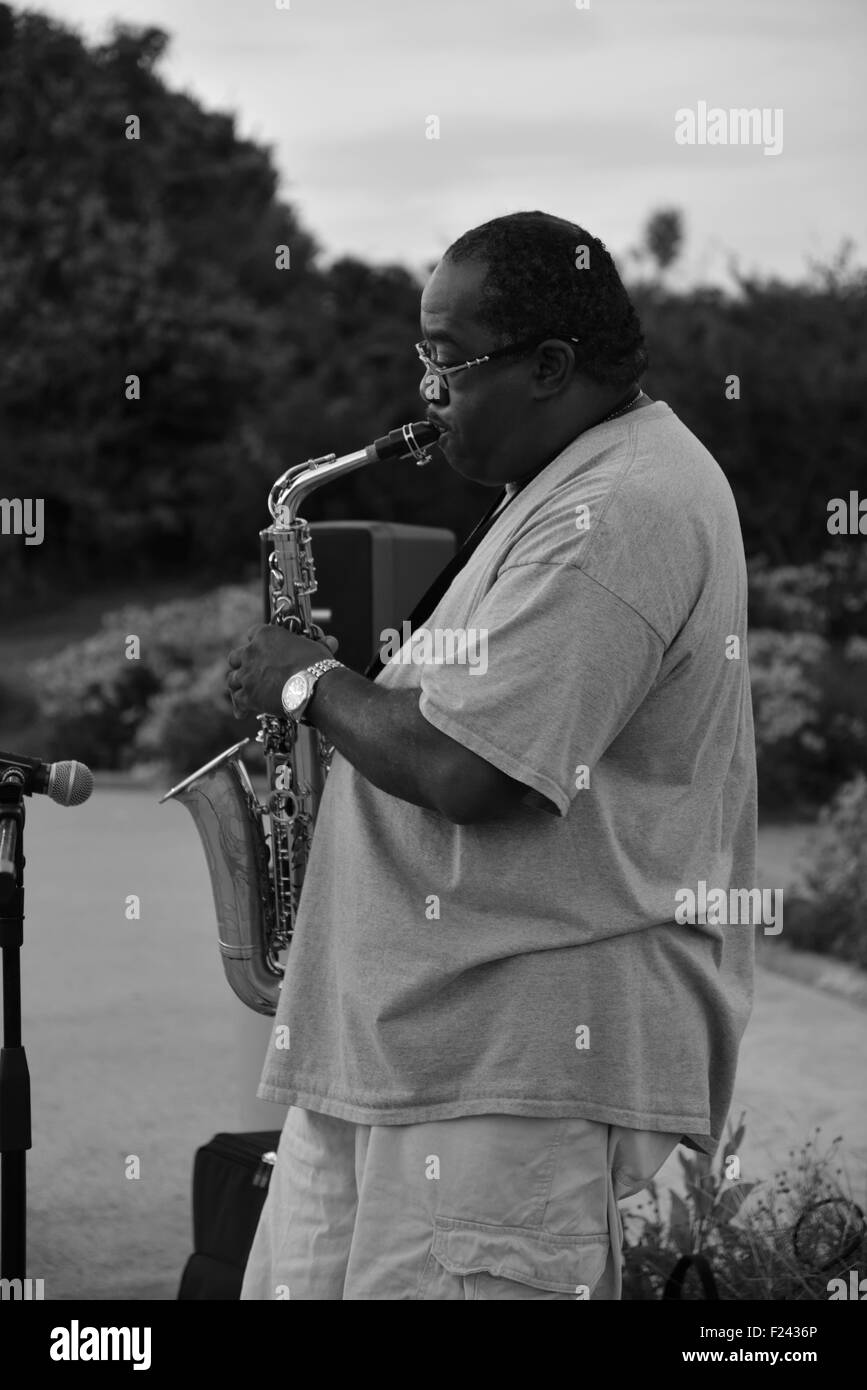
[[332, 643]]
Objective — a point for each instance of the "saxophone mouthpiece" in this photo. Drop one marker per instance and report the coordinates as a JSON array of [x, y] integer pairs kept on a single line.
[[411, 440]]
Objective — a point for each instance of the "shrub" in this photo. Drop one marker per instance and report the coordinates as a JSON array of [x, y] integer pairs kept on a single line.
[[789, 598], [808, 701], [827, 910], [828, 597], [190, 721], [783, 1239], [96, 702], [786, 690]]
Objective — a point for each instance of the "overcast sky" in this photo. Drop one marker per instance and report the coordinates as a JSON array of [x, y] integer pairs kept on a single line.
[[540, 105]]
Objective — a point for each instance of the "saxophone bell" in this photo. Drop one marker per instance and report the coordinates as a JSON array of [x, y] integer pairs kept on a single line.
[[228, 817]]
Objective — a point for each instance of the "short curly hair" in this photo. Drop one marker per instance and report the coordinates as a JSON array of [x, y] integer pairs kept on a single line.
[[533, 286]]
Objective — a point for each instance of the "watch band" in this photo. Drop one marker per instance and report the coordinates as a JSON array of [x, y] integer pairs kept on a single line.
[[312, 673], [320, 667]]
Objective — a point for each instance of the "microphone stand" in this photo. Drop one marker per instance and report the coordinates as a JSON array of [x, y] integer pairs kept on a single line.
[[15, 1137]]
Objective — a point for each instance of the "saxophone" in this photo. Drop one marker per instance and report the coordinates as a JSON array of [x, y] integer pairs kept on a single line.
[[257, 875]]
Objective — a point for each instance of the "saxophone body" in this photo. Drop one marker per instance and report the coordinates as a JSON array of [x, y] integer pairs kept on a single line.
[[257, 870]]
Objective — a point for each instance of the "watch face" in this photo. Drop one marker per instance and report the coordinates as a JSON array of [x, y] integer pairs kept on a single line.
[[295, 692]]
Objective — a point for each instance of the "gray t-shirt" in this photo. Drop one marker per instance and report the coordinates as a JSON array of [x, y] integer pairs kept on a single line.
[[533, 965]]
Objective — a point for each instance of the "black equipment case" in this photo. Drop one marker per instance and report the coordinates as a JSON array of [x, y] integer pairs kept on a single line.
[[230, 1180]]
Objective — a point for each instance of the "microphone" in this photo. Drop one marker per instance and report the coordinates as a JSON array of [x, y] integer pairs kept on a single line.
[[67, 783]]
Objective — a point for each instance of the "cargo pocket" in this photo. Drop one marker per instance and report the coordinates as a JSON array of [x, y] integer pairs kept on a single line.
[[471, 1260]]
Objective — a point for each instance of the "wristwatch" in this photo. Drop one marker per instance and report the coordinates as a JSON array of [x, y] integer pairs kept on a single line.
[[298, 690]]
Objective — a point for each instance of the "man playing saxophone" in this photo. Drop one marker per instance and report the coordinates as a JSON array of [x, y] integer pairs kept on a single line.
[[496, 1026]]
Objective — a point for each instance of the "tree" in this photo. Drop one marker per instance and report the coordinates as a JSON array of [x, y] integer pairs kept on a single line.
[[149, 257], [663, 236]]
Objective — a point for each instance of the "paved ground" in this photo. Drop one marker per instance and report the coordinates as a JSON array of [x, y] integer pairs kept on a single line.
[[132, 1038]]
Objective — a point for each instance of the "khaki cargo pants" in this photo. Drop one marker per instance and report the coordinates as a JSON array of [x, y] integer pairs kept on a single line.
[[482, 1207]]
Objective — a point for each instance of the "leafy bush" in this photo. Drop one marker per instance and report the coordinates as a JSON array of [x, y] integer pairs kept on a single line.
[[809, 699], [827, 909], [856, 649], [786, 690], [808, 665], [189, 721], [783, 1239], [828, 597], [110, 710], [788, 598]]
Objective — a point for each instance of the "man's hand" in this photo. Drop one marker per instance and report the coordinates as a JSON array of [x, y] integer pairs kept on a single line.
[[258, 671]]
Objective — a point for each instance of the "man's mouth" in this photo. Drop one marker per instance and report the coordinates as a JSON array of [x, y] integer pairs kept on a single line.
[[438, 424]]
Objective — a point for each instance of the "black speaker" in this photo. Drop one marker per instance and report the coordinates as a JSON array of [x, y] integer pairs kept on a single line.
[[370, 575]]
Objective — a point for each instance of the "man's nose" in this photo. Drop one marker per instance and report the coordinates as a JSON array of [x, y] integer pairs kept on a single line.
[[433, 387]]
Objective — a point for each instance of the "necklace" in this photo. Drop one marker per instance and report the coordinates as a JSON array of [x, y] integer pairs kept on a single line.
[[623, 409]]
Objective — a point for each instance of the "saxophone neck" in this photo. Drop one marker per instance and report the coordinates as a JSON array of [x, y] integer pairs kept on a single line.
[[290, 489]]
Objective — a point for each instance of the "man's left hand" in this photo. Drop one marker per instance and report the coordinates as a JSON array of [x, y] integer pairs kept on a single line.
[[259, 670]]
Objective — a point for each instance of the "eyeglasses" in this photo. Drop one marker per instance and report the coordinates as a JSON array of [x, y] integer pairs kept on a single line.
[[424, 350]]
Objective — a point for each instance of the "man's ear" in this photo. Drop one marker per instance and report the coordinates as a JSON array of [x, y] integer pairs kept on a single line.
[[555, 365]]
